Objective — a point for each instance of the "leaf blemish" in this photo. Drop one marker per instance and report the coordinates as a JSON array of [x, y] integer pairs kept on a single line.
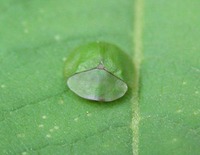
[[174, 140], [41, 10], [88, 114], [196, 112], [44, 117], [20, 135], [184, 83], [64, 59], [60, 102], [76, 119], [26, 31], [48, 136], [24, 153], [51, 130], [56, 127], [3, 86], [57, 37], [41, 126], [179, 111]]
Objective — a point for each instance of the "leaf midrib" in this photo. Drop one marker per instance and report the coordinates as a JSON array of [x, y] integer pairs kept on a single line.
[[138, 7]]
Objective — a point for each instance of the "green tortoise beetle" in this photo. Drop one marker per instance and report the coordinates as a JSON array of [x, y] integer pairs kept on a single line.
[[99, 71]]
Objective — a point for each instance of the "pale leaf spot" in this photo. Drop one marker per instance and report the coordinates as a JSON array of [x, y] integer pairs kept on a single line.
[[196, 112], [20, 135], [61, 102], [196, 69], [64, 58], [51, 130], [44, 117], [24, 153], [88, 114], [76, 119], [40, 125], [57, 37], [26, 31], [184, 83], [41, 10], [24, 23], [56, 127], [3, 86], [48, 136], [179, 111]]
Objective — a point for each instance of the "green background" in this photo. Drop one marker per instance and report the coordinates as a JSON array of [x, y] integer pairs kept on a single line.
[[39, 115]]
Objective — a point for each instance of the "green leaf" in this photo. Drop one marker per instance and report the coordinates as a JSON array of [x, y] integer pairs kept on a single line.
[[39, 115], [170, 79]]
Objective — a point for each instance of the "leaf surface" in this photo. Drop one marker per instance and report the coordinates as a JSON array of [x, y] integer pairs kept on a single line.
[[40, 115], [170, 79]]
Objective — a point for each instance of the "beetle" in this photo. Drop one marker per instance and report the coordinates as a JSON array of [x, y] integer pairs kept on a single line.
[[99, 71]]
